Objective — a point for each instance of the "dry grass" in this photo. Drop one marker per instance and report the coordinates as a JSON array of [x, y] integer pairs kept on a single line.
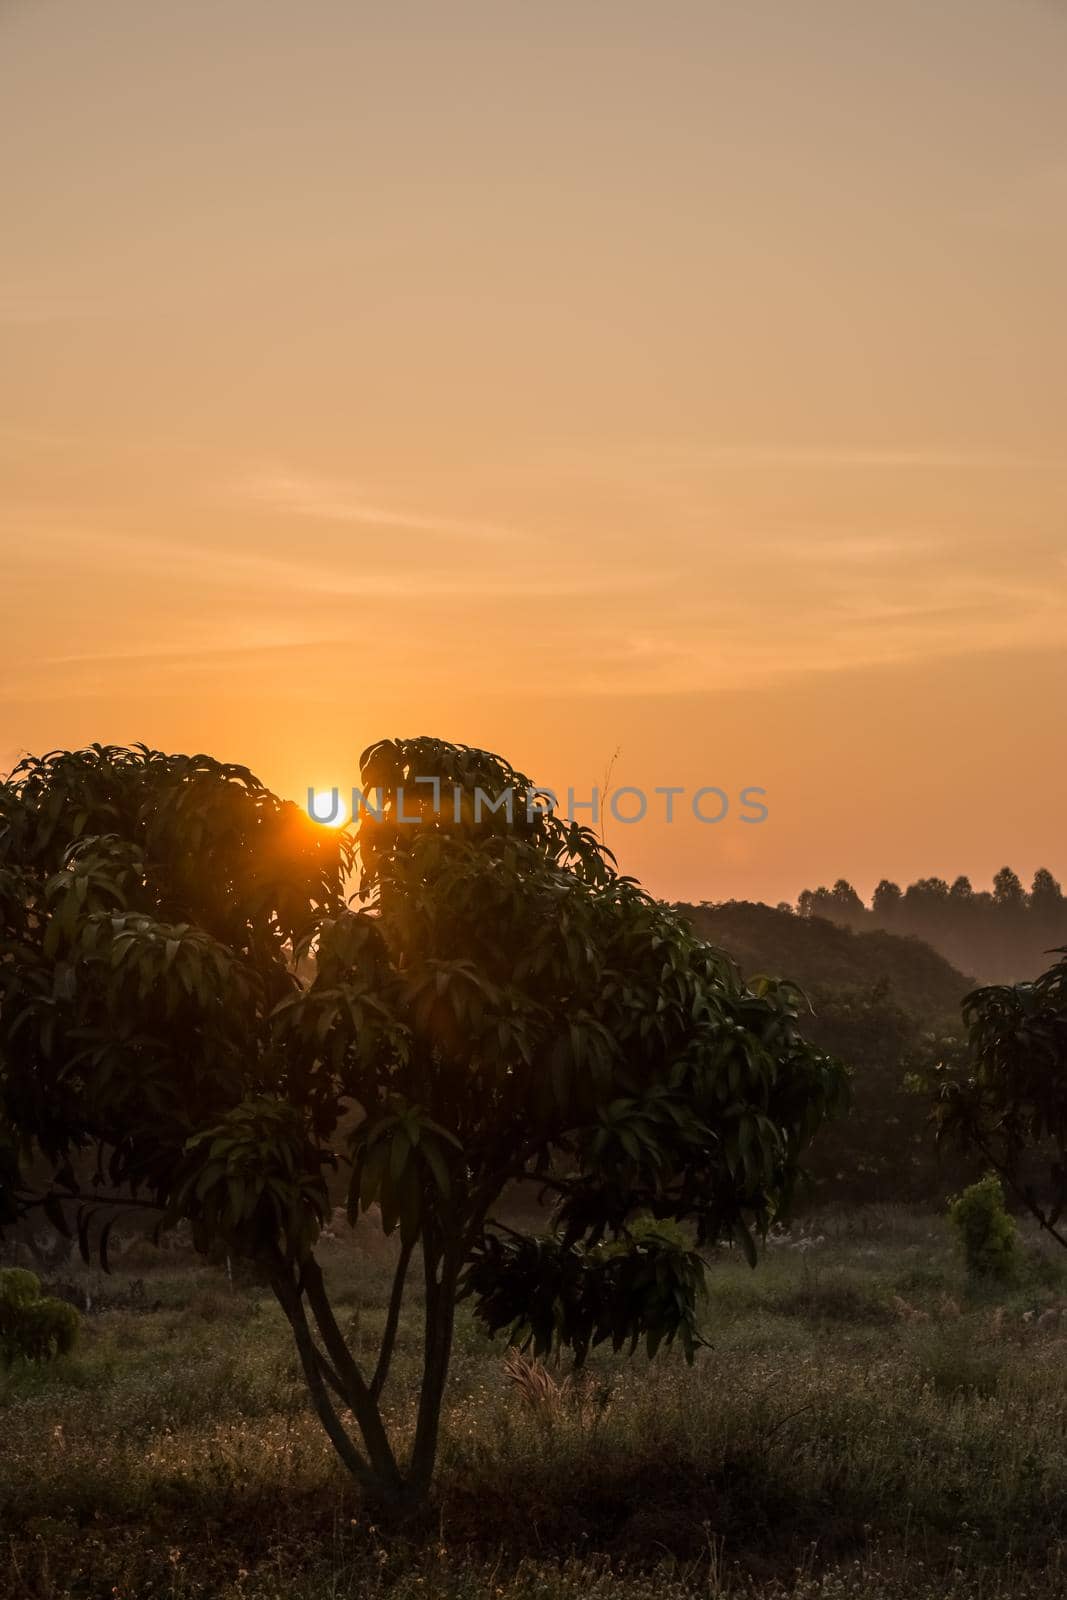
[[860, 1427]]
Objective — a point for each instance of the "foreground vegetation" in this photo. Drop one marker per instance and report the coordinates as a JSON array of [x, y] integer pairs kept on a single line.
[[862, 1424], [306, 1095], [198, 1023]]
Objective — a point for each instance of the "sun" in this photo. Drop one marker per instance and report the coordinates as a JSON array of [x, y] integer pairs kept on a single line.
[[327, 808]]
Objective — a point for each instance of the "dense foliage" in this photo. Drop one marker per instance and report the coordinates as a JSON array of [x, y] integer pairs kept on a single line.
[[33, 1327], [187, 999], [986, 1231], [1005, 1097], [546, 1294]]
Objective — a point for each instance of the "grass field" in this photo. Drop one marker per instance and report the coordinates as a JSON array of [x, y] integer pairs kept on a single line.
[[861, 1426]]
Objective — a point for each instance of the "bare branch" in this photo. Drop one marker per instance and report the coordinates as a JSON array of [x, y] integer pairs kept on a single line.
[[392, 1322], [358, 1394], [291, 1302]]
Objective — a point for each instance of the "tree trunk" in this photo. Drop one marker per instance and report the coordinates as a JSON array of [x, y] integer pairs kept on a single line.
[[437, 1351], [333, 1367], [357, 1392]]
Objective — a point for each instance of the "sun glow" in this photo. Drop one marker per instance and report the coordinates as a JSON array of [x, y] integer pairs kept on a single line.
[[327, 808]]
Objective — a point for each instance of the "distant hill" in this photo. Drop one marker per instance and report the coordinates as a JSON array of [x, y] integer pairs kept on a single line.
[[879, 1001], [822, 955]]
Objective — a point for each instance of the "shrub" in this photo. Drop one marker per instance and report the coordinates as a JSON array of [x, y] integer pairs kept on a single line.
[[986, 1231], [32, 1327]]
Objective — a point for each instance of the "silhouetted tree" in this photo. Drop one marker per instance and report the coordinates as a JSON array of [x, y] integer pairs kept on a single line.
[[500, 1004], [1045, 891], [885, 902], [847, 903], [1047, 912], [1008, 889]]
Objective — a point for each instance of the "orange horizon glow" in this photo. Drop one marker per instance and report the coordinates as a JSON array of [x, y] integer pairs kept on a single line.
[[671, 392]]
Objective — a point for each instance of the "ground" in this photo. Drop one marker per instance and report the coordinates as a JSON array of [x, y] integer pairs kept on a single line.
[[862, 1426]]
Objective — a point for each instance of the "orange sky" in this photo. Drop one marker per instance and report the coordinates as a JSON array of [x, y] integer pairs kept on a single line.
[[688, 378]]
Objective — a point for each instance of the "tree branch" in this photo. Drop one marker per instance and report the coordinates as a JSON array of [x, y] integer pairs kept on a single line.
[[392, 1321], [437, 1347], [122, 1202], [291, 1302], [357, 1391], [331, 1377]]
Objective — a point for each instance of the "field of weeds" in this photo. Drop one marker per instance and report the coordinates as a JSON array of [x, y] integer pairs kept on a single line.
[[861, 1425]]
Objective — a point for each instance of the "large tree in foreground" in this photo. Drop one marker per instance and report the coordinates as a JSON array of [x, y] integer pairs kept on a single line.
[[192, 1014]]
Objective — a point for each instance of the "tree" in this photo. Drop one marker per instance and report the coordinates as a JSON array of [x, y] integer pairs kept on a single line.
[[1045, 893], [885, 902], [1008, 889], [1006, 1098], [839, 904], [186, 996], [1046, 910], [848, 907]]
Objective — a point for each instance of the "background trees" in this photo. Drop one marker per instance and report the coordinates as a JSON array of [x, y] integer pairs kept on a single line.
[[1002, 935], [192, 1016], [885, 1005], [1005, 1098]]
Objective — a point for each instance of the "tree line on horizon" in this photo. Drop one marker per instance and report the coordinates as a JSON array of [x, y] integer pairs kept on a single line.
[[997, 935]]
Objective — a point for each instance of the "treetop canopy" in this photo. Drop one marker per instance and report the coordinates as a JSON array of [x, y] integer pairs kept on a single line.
[[186, 992]]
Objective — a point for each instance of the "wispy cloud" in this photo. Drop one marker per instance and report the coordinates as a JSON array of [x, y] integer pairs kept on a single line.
[[823, 457], [836, 549], [661, 463], [321, 500], [203, 566]]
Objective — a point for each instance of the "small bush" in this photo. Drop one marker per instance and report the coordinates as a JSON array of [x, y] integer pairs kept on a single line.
[[986, 1232], [32, 1328]]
